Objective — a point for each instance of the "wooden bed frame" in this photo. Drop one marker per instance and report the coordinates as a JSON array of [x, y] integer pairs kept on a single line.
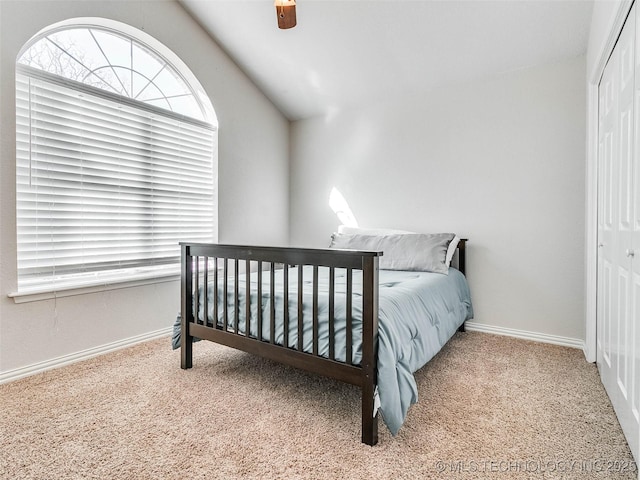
[[205, 264]]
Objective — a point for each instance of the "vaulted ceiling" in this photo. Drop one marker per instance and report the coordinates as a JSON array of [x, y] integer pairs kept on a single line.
[[348, 52]]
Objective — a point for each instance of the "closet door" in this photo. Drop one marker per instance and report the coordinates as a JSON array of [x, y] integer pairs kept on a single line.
[[634, 257], [619, 138], [608, 133]]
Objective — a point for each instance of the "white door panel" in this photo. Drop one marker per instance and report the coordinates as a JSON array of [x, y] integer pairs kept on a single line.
[[619, 342], [606, 152], [618, 284], [606, 313]]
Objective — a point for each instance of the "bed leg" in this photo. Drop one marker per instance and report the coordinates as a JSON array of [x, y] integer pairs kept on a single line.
[[186, 360], [370, 430], [186, 306], [186, 345], [369, 421], [186, 351]]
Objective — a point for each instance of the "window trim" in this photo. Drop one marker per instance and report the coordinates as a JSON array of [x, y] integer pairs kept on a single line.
[[69, 289]]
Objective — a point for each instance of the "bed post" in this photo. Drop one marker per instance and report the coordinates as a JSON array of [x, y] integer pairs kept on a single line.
[[462, 265], [186, 307], [369, 348]]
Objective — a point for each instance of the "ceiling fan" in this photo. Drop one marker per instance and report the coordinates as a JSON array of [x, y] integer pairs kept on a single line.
[[286, 12]]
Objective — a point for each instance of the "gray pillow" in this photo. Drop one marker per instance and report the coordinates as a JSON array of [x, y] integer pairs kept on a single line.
[[410, 252]]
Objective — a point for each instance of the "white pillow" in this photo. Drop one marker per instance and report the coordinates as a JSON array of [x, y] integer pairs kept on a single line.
[[452, 250], [388, 231], [409, 251], [369, 231]]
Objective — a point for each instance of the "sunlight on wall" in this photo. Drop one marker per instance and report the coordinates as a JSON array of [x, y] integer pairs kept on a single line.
[[341, 208]]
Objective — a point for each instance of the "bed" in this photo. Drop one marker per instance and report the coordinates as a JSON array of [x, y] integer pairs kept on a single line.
[[340, 312]]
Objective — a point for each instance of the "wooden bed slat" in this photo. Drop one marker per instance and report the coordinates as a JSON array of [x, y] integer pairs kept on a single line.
[[236, 296], [315, 310], [247, 300], [332, 306], [272, 299], [225, 294], [215, 292], [205, 299], [349, 327], [300, 309], [285, 307], [259, 305]]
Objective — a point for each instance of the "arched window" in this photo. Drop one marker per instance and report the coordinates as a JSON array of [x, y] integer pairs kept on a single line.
[[116, 159]]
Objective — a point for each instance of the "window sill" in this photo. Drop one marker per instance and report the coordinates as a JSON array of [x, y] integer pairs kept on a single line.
[[70, 289]]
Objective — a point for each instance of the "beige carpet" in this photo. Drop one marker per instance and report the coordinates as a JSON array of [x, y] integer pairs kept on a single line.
[[490, 407]]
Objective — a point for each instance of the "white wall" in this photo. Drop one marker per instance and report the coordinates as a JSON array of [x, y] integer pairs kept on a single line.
[[253, 181], [500, 162]]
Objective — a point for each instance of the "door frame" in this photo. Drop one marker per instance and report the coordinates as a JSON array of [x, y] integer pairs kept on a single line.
[[591, 241]]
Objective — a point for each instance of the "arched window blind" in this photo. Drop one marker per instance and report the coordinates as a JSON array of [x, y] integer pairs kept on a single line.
[[107, 184]]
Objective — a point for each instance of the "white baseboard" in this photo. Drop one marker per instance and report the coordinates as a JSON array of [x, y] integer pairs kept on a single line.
[[525, 335], [22, 372]]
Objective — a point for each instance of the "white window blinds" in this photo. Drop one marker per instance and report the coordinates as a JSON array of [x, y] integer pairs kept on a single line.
[[105, 183]]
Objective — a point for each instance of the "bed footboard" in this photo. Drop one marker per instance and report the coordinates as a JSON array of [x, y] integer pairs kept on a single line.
[[243, 311]]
